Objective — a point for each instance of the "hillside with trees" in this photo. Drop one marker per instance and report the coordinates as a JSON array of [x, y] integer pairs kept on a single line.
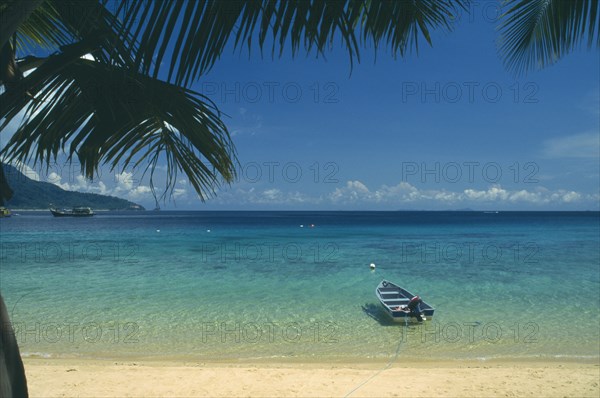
[[31, 194]]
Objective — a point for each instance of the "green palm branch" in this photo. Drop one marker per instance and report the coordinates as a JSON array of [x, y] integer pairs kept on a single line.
[[303, 25], [99, 114], [537, 33]]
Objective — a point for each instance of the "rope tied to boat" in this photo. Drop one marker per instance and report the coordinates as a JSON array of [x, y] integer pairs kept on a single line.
[[386, 367]]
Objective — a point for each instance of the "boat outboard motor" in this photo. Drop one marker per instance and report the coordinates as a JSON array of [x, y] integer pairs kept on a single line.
[[414, 305]]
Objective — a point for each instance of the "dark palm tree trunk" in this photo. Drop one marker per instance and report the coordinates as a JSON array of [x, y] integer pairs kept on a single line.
[[12, 373], [5, 192]]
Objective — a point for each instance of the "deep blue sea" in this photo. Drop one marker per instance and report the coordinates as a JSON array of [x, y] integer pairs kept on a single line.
[[297, 285]]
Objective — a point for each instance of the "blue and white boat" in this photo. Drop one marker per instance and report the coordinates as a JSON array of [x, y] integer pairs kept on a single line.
[[393, 298]]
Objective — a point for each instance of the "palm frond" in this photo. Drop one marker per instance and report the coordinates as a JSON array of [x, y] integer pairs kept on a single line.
[[537, 33], [88, 19], [13, 14], [96, 114], [193, 34], [56, 24], [42, 30]]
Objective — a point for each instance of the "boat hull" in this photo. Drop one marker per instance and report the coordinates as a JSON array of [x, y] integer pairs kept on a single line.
[[391, 296], [70, 213]]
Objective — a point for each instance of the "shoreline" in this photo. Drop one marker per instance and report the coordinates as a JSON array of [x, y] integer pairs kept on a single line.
[[176, 210], [302, 360], [95, 377]]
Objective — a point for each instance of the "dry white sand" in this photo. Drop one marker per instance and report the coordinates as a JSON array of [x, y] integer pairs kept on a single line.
[[100, 378]]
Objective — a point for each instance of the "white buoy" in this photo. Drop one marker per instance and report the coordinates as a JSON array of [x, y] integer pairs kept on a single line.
[[372, 266], [301, 225], [208, 230], [158, 230]]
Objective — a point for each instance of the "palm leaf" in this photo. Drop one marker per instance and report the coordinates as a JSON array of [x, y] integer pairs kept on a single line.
[[193, 34], [42, 30], [57, 24], [97, 114], [13, 14], [537, 33], [90, 19]]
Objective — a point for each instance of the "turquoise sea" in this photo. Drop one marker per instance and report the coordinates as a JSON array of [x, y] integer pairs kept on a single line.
[[297, 285]]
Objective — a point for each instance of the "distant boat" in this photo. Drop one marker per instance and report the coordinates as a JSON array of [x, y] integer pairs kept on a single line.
[[393, 296], [4, 212], [74, 212]]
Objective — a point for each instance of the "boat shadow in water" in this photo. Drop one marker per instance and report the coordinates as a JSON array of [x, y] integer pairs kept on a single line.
[[376, 312]]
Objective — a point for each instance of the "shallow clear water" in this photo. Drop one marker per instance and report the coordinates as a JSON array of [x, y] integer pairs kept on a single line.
[[224, 285]]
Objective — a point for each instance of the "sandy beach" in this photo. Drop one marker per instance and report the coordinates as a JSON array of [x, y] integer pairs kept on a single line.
[[103, 378]]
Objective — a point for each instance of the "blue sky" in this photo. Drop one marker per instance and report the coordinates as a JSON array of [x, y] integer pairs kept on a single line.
[[447, 128]]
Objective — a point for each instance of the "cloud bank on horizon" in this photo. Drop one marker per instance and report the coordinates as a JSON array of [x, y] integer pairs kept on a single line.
[[335, 195]]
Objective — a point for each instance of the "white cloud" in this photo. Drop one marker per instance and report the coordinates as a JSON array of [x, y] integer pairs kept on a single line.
[[79, 183], [179, 193], [447, 196], [27, 171], [584, 145], [566, 196], [272, 194], [125, 186], [526, 196], [124, 181], [355, 192], [138, 193], [491, 194], [23, 169], [246, 123]]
